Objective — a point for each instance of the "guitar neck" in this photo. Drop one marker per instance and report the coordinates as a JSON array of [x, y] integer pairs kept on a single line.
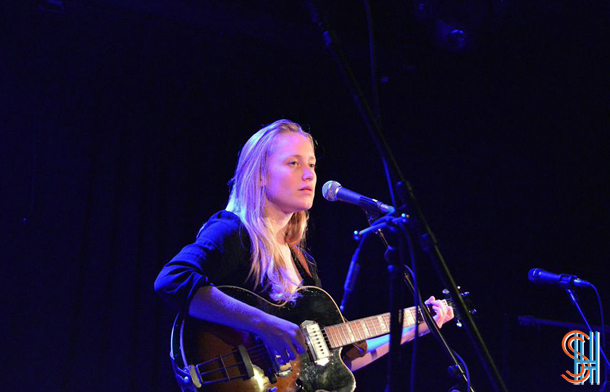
[[340, 335]]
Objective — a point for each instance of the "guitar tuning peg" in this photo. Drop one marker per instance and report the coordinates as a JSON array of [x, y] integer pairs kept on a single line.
[[445, 292], [465, 293], [473, 312], [458, 323]]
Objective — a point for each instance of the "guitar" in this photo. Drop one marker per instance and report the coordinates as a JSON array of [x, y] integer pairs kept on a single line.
[[211, 357]]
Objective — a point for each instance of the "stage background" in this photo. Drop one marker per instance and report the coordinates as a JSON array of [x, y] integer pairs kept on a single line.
[[120, 125]]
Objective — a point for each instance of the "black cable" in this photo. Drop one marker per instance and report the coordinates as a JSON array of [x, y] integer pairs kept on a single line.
[[375, 90], [417, 299], [601, 313], [603, 333], [432, 330], [373, 61], [416, 337], [465, 369]]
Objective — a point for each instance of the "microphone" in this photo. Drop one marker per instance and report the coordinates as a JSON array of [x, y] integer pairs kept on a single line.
[[333, 191], [540, 276]]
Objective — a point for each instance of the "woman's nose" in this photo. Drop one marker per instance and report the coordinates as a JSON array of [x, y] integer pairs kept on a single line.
[[309, 174]]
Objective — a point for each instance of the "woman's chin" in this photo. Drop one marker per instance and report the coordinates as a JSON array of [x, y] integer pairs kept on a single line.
[[304, 207]]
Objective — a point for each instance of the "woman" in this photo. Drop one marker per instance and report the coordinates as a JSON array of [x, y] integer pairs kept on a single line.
[[257, 243]]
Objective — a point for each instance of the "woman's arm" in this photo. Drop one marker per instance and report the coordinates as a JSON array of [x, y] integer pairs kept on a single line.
[[281, 337], [380, 346]]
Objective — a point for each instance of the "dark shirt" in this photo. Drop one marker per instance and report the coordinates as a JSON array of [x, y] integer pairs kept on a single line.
[[219, 256]]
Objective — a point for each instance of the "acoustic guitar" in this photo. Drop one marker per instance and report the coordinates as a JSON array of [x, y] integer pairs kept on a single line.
[[215, 358]]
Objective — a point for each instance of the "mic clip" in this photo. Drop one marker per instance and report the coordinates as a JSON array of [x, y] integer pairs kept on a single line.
[[566, 281]]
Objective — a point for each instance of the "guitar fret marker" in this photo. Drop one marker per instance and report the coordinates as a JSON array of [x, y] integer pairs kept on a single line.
[[350, 334], [344, 335], [384, 328], [409, 319], [365, 328], [353, 327]]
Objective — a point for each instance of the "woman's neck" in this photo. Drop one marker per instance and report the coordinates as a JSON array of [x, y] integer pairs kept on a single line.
[[278, 222]]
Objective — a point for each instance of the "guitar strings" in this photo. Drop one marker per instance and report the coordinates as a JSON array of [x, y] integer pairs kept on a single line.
[[259, 352], [331, 333], [255, 353], [339, 335]]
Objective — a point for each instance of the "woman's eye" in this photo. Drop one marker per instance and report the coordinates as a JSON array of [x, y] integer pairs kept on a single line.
[[312, 165], [292, 163]]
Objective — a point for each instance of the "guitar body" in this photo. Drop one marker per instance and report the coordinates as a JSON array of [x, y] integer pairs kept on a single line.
[[215, 358]]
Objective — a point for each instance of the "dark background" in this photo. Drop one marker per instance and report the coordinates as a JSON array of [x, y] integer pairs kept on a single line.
[[121, 122]]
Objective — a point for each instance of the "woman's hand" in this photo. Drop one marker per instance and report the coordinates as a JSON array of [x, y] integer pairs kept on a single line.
[[282, 338], [443, 313]]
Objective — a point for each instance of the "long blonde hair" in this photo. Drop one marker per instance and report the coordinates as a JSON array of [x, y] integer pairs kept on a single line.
[[247, 200]]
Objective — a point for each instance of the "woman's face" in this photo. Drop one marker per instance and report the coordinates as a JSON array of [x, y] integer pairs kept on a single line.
[[290, 182]]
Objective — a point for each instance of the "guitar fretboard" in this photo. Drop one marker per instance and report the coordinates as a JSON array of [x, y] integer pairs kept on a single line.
[[358, 330]]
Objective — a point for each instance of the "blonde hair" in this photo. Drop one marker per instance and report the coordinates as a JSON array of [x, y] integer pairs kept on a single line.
[[247, 200]]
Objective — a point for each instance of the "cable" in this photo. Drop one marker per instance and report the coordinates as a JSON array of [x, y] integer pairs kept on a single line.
[[417, 300], [601, 313], [603, 331], [373, 61], [375, 90], [465, 369], [575, 302]]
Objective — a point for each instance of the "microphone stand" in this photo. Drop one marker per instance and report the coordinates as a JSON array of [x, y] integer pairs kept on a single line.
[[397, 274], [435, 330], [574, 299], [354, 266], [421, 230], [352, 276]]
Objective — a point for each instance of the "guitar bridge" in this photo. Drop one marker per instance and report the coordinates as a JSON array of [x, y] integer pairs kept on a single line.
[[316, 342]]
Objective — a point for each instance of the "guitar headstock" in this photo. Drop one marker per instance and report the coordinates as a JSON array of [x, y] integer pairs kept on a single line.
[[467, 301]]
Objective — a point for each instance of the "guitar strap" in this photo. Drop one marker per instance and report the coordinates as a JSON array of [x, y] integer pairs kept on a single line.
[[301, 258]]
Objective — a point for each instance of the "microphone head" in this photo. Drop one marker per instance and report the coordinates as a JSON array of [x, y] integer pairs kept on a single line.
[[534, 274], [329, 190]]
